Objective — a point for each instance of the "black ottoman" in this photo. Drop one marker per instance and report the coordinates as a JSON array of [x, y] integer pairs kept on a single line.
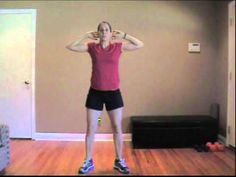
[[174, 131]]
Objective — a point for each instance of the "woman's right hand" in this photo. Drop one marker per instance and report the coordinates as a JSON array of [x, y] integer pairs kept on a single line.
[[93, 35]]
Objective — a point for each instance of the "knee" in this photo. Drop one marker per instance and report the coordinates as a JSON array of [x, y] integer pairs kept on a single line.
[[91, 131], [117, 130]]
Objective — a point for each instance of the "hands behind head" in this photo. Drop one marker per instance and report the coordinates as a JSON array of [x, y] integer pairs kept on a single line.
[[93, 35], [117, 34]]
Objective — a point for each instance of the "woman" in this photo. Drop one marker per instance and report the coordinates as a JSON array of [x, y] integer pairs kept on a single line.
[[104, 87]]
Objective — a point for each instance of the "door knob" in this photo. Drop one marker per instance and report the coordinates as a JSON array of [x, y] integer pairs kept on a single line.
[[27, 83]]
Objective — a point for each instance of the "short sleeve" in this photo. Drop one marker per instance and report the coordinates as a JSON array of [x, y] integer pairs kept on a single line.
[[119, 46], [90, 46]]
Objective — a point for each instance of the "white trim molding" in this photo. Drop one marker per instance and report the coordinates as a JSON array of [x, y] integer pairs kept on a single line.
[[76, 137], [17, 11], [230, 124]]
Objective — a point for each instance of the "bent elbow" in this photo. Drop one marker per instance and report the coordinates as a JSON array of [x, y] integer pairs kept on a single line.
[[71, 48], [141, 45], [68, 47]]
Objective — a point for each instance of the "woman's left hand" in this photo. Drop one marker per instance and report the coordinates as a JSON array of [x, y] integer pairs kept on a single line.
[[117, 34]]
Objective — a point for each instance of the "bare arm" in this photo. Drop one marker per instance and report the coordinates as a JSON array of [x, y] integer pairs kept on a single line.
[[80, 45], [132, 42]]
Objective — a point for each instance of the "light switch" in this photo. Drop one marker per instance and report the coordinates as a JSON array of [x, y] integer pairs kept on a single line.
[[194, 47]]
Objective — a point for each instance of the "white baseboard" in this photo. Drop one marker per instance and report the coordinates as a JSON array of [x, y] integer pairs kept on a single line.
[[81, 137], [76, 137]]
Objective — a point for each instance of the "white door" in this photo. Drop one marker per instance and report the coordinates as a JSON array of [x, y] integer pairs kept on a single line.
[[17, 50], [231, 80]]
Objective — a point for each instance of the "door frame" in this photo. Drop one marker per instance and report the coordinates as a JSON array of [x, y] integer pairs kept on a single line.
[[229, 95], [33, 13]]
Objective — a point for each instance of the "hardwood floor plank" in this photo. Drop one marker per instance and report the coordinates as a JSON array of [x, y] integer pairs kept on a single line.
[[65, 157]]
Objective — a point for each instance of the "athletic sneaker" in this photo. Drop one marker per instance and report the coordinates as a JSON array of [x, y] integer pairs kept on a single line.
[[86, 167], [121, 166]]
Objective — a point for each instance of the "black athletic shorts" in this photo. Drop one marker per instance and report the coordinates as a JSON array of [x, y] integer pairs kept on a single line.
[[111, 99]]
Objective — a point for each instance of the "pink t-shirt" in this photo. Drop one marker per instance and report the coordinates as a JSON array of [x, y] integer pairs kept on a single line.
[[105, 66]]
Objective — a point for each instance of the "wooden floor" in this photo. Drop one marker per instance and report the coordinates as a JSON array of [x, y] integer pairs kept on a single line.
[[64, 158]]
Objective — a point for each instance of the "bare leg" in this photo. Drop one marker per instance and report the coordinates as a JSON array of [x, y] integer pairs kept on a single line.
[[116, 120], [92, 119]]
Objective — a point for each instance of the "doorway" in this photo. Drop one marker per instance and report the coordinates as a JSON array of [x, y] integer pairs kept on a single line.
[[17, 66]]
